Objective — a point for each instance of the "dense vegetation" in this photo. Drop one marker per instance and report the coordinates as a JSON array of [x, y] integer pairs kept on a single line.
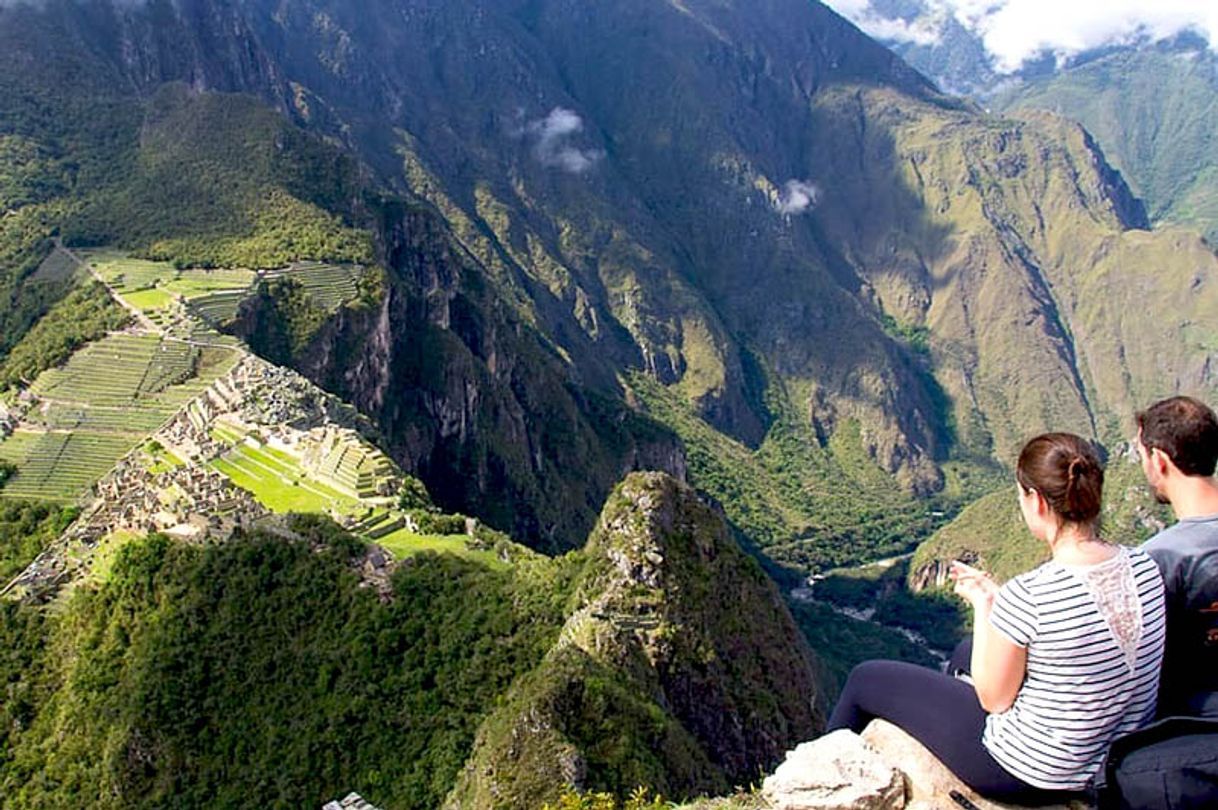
[[209, 180], [86, 313], [935, 616], [841, 642], [808, 505], [678, 669], [283, 318], [26, 527], [261, 670]]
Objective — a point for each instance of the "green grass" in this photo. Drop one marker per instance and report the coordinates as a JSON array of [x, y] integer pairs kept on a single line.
[[226, 434], [149, 300], [124, 273], [404, 543], [279, 485], [192, 283], [159, 460], [151, 286], [17, 447]]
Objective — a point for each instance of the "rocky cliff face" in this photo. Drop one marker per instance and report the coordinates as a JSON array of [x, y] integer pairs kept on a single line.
[[754, 205], [471, 398], [679, 667]]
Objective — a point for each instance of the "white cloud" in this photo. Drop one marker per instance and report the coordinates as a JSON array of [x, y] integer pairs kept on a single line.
[[796, 197], [552, 145], [1016, 30], [923, 31]]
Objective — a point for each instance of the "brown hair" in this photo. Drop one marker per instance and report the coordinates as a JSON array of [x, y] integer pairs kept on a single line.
[[1185, 429], [1066, 470]]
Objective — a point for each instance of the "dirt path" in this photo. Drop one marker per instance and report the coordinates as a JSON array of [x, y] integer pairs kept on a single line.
[[143, 320]]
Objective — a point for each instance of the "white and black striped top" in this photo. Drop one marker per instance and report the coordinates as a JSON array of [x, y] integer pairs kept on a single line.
[[1083, 688]]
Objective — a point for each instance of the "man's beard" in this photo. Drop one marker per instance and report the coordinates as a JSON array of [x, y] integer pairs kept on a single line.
[[1160, 498]]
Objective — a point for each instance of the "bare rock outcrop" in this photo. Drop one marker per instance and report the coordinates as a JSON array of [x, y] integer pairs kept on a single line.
[[881, 769], [929, 783], [838, 771]]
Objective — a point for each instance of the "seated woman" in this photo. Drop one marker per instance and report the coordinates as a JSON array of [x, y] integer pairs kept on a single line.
[[1065, 658]]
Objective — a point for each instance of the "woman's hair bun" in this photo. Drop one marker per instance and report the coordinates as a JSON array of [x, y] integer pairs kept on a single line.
[[1067, 472]]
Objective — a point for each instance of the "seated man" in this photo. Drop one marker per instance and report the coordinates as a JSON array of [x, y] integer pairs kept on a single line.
[[1178, 445]]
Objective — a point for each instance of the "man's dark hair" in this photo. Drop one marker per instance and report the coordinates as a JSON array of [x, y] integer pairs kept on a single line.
[[1186, 430]]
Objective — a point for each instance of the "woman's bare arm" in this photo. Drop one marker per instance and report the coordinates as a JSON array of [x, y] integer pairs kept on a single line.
[[998, 666]]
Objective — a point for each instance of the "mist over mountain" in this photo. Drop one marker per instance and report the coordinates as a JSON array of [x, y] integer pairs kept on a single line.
[[1140, 79]]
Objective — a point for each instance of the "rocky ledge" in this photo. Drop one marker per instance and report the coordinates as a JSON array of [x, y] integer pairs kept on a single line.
[[883, 769]]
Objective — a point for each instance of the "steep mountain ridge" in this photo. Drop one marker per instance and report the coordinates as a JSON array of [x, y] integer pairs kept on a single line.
[[1148, 102], [209, 674], [1153, 109], [679, 668], [473, 399]]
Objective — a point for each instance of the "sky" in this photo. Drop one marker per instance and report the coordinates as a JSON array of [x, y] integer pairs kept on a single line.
[[1015, 30]]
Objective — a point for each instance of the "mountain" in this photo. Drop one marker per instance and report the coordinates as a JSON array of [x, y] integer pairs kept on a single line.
[[1149, 103], [207, 675], [715, 679], [1153, 109], [444, 270], [607, 205]]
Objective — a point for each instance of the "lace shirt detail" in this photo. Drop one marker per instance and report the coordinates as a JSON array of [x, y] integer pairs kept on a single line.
[[1112, 586]]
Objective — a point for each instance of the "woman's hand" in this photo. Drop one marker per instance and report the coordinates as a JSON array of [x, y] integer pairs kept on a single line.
[[976, 586], [998, 666]]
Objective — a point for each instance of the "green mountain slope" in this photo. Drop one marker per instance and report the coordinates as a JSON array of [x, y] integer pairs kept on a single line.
[[1154, 110], [679, 668], [204, 676], [796, 224], [1149, 104], [737, 242]]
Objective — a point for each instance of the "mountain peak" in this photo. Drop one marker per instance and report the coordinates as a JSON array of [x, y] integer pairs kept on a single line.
[[680, 668]]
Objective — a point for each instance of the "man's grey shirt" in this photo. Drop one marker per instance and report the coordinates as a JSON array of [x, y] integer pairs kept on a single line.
[[1187, 555]]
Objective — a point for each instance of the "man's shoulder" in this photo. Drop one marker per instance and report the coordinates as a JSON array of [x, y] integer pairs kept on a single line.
[[1187, 536]]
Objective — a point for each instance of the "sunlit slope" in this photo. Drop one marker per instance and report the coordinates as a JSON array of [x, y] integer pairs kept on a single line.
[[1154, 109]]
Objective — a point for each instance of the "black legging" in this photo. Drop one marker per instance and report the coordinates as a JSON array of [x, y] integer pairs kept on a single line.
[[942, 713]]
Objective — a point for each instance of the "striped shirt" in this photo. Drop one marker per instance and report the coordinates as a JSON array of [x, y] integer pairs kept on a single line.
[[1083, 688]]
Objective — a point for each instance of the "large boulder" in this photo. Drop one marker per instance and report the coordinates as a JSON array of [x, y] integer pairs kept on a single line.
[[838, 771], [929, 783]]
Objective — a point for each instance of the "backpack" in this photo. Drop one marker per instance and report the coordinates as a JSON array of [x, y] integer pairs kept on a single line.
[[1171, 764]]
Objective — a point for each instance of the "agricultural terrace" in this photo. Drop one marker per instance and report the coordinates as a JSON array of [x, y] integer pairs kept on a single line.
[[218, 307], [101, 404], [276, 480], [154, 287], [404, 543], [330, 285], [58, 266], [59, 466], [124, 273]]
